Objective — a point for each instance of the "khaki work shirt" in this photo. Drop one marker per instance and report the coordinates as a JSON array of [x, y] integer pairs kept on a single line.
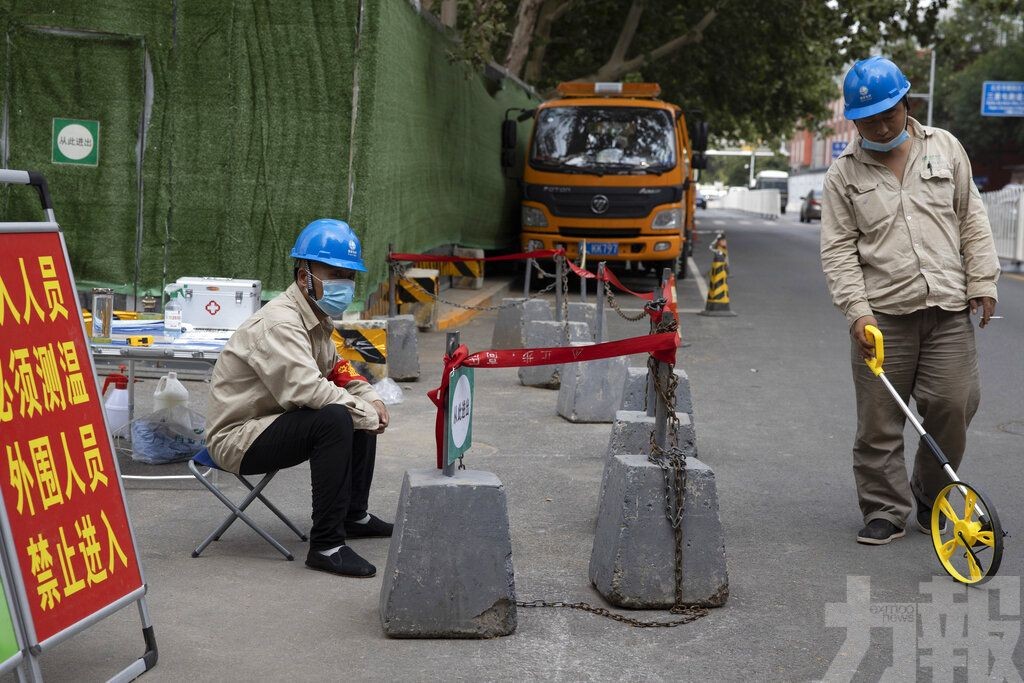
[[276, 362], [898, 248]]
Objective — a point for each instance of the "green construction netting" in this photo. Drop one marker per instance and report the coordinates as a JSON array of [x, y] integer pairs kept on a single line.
[[426, 150], [250, 133]]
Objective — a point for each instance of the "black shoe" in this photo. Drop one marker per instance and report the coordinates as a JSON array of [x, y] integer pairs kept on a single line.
[[879, 532], [345, 562], [375, 528], [924, 518]]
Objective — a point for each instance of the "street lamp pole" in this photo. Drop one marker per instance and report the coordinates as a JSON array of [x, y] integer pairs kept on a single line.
[[931, 88]]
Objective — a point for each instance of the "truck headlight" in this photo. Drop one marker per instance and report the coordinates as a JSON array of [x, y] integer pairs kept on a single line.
[[668, 219], [534, 218]]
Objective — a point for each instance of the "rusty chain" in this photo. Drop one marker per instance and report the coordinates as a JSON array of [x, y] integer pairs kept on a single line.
[[691, 614], [671, 458], [672, 461], [609, 296]]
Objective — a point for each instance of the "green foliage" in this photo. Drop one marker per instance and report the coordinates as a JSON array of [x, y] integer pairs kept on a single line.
[[984, 134], [757, 66]]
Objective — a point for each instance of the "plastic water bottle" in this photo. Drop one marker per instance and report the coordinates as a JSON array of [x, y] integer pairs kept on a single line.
[[172, 314], [169, 392], [116, 403]]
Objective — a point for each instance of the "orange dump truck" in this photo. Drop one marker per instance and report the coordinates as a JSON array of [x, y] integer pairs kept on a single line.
[[609, 165]]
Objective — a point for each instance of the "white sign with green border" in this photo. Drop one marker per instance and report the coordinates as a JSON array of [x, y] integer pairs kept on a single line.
[[76, 141], [460, 413]]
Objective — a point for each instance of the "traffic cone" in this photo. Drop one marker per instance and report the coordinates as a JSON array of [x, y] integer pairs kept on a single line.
[[718, 288]]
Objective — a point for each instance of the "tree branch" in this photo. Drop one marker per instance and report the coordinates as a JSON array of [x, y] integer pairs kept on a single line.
[[628, 31], [612, 71], [522, 36], [551, 12]]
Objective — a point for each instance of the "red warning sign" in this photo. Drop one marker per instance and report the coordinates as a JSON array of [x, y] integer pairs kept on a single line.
[[60, 488]]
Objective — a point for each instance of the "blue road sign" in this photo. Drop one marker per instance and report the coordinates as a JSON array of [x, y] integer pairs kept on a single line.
[[1002, 98], [837, 147]]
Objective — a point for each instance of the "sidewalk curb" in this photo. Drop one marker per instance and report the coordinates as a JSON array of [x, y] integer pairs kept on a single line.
[[453, 317]]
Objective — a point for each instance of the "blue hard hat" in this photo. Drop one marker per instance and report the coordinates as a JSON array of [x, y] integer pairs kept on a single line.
[[330, 241], [872, 85]]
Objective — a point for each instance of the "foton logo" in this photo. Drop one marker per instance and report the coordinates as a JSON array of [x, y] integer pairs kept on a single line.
[[599, 204]]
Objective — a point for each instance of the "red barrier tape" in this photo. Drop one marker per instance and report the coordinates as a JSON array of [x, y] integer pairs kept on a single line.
[[426, 258], [662, 346], [610, 278]]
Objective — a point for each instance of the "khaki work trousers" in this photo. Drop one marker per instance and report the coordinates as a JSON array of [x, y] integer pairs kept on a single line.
[[930, 355]]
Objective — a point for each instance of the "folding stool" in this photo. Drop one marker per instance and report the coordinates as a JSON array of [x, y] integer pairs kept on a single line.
[[203, 459]]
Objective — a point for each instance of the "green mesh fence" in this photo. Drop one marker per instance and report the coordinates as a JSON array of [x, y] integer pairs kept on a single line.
[[249, 135], [426, 150]]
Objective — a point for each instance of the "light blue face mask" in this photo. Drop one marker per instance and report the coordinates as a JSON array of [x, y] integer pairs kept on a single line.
[[337, 296], [887, 146]]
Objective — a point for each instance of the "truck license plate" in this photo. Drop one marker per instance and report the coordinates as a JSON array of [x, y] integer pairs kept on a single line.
[[602, 248]]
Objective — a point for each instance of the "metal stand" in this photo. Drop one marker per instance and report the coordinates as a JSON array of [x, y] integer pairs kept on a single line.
[[392, 285], [451, 343], [559, 270], [599, 293]]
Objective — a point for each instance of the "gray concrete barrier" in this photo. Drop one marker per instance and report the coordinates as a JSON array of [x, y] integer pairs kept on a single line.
[[545, 334], [634, 391], [592, 390], [580, 312], [633, 559], [631, 433], [510, 326], [403, 350], [449, 570]]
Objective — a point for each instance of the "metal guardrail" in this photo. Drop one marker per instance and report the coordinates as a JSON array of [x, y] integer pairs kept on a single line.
[[1005, 209]]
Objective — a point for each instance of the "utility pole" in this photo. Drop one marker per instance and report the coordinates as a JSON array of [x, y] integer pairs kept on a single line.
[[931, 89]]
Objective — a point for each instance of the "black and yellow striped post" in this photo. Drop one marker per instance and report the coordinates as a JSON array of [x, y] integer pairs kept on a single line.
[[718, 288], [364, 343]]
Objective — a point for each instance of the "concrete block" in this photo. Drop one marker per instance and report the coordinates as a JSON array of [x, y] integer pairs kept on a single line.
[[591, 391], [509, 328], [403, 353], [580, 312], [449, 569], [546, 334], [634, 393], [631, 433], [633, 560]]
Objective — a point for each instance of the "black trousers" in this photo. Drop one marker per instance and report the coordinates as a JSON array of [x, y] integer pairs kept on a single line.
[[340, 459]]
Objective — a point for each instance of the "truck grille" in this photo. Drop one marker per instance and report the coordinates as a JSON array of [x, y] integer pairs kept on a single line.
[[621, 202], [599, 233]]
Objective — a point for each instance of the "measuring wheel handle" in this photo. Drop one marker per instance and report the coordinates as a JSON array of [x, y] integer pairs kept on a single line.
[[875, 363], [969, 547]]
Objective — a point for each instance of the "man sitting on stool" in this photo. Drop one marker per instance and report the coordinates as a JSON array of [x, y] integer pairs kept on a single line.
[[277, 398]]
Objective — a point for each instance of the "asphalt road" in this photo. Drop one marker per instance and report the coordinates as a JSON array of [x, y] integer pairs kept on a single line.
[[774, 415]]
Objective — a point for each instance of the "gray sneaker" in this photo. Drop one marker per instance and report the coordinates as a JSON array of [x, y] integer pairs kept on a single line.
[[879, 532]]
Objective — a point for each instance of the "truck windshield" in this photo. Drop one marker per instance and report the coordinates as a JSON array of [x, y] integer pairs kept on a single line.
[[604, 140]]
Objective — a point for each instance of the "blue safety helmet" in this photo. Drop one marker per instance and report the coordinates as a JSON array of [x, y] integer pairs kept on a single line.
[[330, 241], [872, 85]]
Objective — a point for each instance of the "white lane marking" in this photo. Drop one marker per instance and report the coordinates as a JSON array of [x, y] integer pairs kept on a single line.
[[702, 286]]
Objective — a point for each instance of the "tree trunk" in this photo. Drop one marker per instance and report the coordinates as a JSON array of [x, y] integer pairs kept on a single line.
[[551, 12], [522, 36], [449, 12]]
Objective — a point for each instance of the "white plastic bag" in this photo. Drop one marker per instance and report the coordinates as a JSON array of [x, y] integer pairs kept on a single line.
[[168, 435], [389, 391]]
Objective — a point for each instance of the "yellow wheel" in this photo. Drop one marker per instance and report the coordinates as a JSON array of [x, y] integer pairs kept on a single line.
[[966, 534]]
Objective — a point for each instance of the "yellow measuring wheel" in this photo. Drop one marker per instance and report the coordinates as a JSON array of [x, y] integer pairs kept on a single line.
[[966, 534]]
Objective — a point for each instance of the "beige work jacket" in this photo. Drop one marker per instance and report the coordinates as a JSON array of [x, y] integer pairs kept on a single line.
[[276, 362], [896, 248]]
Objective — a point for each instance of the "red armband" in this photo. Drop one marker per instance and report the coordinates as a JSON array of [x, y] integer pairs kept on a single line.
[[343, 373]]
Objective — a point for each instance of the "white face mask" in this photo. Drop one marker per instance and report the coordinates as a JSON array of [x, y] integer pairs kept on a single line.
[[892, 144]]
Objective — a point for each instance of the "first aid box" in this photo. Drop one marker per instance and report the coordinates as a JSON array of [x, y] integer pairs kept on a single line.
[[218, 303]]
